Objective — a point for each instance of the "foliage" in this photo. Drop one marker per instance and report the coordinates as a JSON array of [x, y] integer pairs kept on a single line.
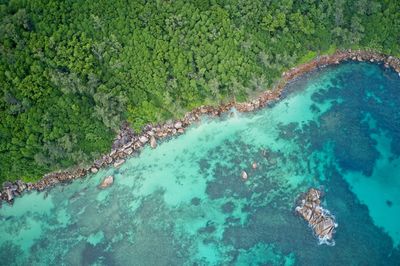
[[72, 71]]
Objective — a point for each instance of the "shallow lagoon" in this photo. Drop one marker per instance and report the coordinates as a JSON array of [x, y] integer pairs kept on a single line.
[[185, 203]]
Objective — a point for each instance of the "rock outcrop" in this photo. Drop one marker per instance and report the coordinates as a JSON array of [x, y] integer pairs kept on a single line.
[[318, 218]]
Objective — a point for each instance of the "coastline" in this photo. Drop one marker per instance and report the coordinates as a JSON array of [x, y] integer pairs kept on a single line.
[[127, 143]]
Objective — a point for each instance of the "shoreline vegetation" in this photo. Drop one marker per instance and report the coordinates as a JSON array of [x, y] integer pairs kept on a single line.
[[72, 73], [127, 142]]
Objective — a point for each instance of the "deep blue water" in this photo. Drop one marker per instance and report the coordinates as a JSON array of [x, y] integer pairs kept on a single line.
[[185, 203]]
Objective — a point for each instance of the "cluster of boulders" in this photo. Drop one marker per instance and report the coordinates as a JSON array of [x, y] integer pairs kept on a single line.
[[319, 219], [127, 142], [13, 189]]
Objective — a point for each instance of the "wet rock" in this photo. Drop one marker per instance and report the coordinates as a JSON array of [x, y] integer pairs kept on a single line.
[[153, 142], [137, 145], [324, 228], [9, 194], [108, 181], [21, 186], [319, 219], [244, 175], [30, 186], [94, 170], [178, 125], [254, 165], [143, 139], [112, 153], [127, 145], [128, 151], [118, 163]]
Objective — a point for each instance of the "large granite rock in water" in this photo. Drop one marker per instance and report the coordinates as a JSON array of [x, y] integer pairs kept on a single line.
[[107, 182], [319, 219]]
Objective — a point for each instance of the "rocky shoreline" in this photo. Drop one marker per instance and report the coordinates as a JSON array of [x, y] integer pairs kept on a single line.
[[128, 143]]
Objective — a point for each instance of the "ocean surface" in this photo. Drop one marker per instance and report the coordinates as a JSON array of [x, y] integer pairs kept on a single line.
[[185, 203]]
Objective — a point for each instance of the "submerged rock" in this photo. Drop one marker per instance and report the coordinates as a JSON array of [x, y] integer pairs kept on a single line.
[[244, 175], [119, 163], [319, 219], [153, 142], [107, 182]]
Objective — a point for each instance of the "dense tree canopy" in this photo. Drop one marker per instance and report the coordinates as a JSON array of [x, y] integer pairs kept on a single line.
[[72, 71]]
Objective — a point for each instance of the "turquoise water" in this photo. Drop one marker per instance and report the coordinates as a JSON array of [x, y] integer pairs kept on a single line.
[[185, 203]]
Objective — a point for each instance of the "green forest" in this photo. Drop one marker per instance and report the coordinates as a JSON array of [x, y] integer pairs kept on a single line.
[[72, 71]]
